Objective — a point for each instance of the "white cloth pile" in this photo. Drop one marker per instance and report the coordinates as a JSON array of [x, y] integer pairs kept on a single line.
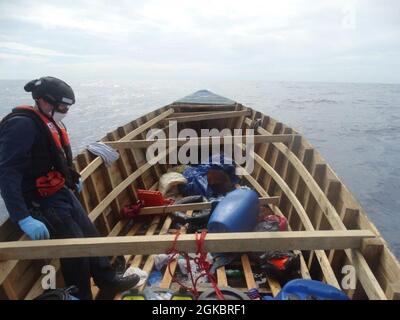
[[108, 154]]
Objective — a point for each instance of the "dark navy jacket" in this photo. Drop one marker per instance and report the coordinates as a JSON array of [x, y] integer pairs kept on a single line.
[[17, 136]]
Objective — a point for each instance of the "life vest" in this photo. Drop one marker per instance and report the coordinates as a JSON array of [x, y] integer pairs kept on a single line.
[[50, 166]]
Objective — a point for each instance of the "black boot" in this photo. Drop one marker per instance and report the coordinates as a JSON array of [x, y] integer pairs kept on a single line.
[[119, 284]]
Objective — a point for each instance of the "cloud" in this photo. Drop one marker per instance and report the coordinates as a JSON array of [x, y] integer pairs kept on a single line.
[[29, 50], [9, 57], [236, 37]]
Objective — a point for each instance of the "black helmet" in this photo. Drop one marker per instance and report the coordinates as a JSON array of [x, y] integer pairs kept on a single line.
[[52, 90]]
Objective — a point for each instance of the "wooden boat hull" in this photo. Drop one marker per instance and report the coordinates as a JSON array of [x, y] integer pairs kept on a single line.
[[306, 189]]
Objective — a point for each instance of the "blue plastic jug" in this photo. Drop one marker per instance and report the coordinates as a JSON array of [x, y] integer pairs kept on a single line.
[[237, 212]]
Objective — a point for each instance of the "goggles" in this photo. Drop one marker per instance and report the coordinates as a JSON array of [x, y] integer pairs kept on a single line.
[[62, 107]]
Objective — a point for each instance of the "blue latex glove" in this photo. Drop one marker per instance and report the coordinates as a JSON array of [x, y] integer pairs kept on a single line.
[[79, 186], [34, 229]]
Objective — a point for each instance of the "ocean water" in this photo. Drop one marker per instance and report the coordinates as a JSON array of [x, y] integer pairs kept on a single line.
[[356, 127]]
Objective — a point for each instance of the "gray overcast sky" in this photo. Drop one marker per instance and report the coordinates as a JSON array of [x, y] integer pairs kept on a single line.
[[342, 40]]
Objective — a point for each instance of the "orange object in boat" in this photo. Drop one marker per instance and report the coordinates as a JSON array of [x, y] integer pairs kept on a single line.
[[279, 263]]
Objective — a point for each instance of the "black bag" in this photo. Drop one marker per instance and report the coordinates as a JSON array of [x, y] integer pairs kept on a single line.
[[59, 294], [281, 265]]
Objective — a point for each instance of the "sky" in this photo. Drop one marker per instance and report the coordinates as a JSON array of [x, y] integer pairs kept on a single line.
[[285, 40]]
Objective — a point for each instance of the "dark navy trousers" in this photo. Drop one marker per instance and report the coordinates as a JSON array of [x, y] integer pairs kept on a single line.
[[65, 218]]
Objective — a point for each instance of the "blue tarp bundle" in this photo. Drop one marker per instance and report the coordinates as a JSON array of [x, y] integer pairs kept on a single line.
[[197, 175]]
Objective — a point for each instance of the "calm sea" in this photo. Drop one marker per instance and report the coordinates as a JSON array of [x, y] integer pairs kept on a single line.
[[356, 127]]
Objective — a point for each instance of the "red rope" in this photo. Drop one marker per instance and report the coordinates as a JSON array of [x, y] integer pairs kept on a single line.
[[173, 251], [204, 265], [201, 261]]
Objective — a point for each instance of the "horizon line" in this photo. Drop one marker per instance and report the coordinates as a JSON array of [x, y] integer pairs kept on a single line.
[[213, 81]]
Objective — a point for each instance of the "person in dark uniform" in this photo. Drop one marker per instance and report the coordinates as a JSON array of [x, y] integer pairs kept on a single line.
[[37, 183]]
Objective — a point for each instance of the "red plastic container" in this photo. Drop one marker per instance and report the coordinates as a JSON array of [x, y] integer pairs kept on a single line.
[[153, 198]]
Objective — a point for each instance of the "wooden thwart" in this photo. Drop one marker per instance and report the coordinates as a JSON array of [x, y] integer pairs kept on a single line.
[[195, 206], [211, 116], [214, 242], [257, 139]]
